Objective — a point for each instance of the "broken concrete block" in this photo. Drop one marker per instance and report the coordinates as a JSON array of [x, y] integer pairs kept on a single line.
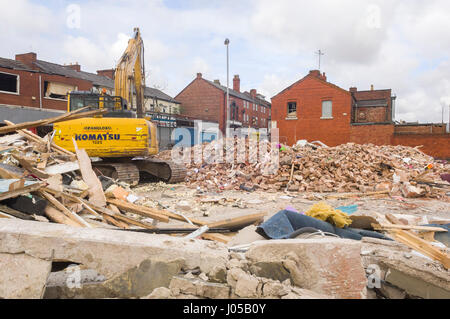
[[160, 293], [141, 280], [109, 252], [200, 288], [410, 191], [327, 265], [275, 288], [23, 276], [417, 287], [246, 286]]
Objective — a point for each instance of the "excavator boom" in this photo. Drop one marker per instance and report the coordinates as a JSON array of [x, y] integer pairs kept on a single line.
[[130, 73]]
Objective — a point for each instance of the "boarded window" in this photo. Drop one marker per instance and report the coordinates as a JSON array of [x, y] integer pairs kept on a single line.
[[292, 109], [327, 109], [57, 90], [9, 83]]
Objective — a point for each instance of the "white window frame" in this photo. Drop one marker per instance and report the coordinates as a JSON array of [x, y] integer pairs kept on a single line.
[[17, 84], [324, 117]]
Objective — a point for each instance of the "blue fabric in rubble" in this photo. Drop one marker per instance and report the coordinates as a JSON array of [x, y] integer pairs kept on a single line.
[[284, 223]]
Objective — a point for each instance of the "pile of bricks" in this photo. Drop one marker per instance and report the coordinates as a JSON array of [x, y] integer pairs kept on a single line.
[[401, 170]]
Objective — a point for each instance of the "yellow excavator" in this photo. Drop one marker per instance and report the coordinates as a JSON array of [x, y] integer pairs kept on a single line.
[[123, 139]]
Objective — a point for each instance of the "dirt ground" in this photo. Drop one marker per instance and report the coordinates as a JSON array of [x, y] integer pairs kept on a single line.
[[210, 206]]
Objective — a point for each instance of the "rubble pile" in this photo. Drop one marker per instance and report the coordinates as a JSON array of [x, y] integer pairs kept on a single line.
[[401, 170]]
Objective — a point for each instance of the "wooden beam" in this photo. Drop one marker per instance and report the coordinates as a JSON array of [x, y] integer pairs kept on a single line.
[[37, 139], [136, 209], [56, 216], [30, 168], [15, 213], [64, 117], [216, 237], [238, 222], [64, 209], [96, 195], [17, 192], [415, 242], [408, 227]]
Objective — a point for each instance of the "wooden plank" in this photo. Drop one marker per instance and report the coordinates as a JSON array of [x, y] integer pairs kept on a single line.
[[133, 221], [216, 237], [415, 242], [64, 209], [136, 209], [15, 213], [96, 195], [56, 216], [30, 168], [17, 192], [62, 168], [408, 227], [115, 222], [238, 222], [43, 163], [64, 117], [37, 139]]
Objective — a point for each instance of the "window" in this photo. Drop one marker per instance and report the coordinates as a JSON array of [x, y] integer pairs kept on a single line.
[[292, 109], [327, 110], [57, 90], [9, 83]]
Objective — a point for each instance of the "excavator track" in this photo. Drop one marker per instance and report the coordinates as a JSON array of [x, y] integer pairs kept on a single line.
[[132, 171]]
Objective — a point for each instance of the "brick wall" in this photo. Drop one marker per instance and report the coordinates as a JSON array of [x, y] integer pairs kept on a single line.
[[377, 134], [420, 129], [309, 93], [371, 114], [436, 145]]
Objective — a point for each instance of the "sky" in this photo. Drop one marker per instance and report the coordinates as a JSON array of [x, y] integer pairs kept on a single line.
[[403, 45]]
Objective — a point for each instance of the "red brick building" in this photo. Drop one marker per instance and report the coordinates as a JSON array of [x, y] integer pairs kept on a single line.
[[313, 109], [32, 89], [205, 100]]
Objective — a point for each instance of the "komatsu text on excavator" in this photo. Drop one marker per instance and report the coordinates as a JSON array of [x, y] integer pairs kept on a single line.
[[123, 142]]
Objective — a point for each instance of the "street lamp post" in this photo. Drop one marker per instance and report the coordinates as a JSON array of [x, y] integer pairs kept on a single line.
[[227, 108]]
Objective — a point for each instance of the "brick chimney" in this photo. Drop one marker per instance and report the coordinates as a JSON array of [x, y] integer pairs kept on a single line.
[[353, 90], [75, 66], [108, 73], [253, 92], [315, 73], [199, 75], [237, 83], [27, 59]]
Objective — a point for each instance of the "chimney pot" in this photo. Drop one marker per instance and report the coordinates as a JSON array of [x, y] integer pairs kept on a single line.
[[371, 87], [199, 75], [217, 81], [353, 89]]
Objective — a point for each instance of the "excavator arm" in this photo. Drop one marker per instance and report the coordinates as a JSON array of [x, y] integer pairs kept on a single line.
[[130, 73]]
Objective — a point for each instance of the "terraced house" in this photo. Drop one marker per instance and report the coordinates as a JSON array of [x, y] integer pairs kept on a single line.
[[205, 100]]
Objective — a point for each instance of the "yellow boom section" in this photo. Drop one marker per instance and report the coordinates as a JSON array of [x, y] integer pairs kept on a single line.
[[130, 73], [108, 137]]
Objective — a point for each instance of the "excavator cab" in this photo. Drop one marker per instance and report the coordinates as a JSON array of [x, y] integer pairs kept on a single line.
[[116, 105]]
